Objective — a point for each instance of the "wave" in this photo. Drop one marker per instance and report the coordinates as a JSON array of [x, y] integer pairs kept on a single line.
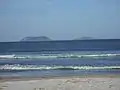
[[53, 67], [56, 56]]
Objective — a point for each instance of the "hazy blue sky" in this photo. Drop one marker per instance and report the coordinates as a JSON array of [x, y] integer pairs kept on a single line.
[[59, 19]]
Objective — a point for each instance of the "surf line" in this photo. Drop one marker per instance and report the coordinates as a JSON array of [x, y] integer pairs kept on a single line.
[[47, 56]]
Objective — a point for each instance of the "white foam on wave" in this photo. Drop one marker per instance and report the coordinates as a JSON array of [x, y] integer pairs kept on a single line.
[[44, 67], [46, 56], [7, 56]]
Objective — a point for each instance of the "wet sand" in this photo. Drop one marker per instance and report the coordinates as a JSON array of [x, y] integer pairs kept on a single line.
[[108, 82]]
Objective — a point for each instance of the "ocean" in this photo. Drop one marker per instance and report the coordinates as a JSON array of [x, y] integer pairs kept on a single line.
[[61, 61]]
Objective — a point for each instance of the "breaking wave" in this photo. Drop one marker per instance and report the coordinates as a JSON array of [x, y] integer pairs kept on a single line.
[[19, 67], [56, 56]]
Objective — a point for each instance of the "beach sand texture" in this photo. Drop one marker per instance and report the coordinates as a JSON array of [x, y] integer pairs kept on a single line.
[[69, 83]]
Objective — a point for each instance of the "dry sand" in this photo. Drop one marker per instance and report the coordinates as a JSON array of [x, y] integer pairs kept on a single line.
[[62, 83]]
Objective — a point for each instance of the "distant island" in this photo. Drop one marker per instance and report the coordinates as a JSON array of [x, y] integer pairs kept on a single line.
[[45, 38], [39, 38]]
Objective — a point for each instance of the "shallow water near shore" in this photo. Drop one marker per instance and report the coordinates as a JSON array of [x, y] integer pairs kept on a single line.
[[59, 66]]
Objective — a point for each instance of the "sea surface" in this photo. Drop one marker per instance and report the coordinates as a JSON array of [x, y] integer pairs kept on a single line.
[[42, 67]]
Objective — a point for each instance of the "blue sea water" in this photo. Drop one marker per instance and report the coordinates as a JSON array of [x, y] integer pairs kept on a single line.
[[32, 67], [61, 66]]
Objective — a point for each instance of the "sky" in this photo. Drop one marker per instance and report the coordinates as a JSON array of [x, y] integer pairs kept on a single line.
[[59, 19]]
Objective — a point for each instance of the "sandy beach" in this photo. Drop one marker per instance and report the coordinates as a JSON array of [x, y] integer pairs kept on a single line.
[[62, 83]]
